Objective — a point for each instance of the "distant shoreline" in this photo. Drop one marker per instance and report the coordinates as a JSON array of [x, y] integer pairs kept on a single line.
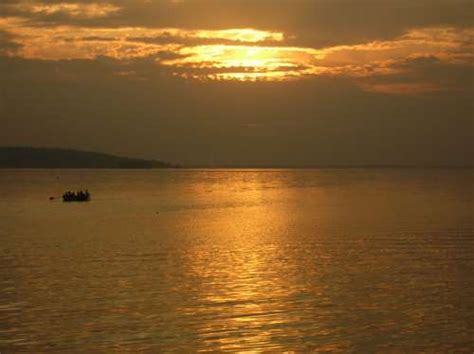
[[55, 158]]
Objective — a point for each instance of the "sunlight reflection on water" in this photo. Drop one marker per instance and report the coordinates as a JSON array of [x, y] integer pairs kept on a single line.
[[361, 260]]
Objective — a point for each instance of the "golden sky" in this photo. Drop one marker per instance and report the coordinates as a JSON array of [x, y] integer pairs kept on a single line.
[[391, 48], [230, 53]]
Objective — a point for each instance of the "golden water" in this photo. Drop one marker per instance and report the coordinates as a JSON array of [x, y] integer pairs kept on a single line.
[[239, 260]]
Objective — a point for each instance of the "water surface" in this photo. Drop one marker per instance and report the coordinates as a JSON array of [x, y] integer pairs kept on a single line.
[[356, 260]]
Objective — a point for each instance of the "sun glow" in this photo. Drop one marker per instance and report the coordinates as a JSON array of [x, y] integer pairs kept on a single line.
[[245, 62], [241, 35]]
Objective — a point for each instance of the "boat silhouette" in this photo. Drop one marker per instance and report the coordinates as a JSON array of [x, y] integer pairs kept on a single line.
[[79, 196]]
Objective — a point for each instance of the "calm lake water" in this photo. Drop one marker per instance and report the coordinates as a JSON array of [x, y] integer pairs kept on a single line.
[[360, 260]]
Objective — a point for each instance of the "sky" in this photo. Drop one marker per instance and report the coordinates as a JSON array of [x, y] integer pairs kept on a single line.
[[242, 82]]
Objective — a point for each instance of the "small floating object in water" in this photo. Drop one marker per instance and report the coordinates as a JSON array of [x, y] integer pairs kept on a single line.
[[76, 196], [51, 198]]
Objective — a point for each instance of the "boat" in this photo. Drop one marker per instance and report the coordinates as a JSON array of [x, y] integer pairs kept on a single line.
[[76, 196]]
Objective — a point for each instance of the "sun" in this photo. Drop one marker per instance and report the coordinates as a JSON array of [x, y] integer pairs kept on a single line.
[[244, 62]]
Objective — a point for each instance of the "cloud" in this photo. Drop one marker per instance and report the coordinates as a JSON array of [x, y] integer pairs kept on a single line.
[[71, 9], [402, 88], [75, 42], [311, 23], [423, 75], [400, 56], [7, 45], [242, 54]]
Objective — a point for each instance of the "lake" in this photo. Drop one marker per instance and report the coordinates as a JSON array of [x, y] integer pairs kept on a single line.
[[361, 260]]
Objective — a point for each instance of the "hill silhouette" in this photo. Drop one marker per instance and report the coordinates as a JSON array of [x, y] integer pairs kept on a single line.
[[30, 157]]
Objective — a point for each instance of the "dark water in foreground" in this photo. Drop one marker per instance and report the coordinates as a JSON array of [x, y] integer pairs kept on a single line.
[[186, 260]]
